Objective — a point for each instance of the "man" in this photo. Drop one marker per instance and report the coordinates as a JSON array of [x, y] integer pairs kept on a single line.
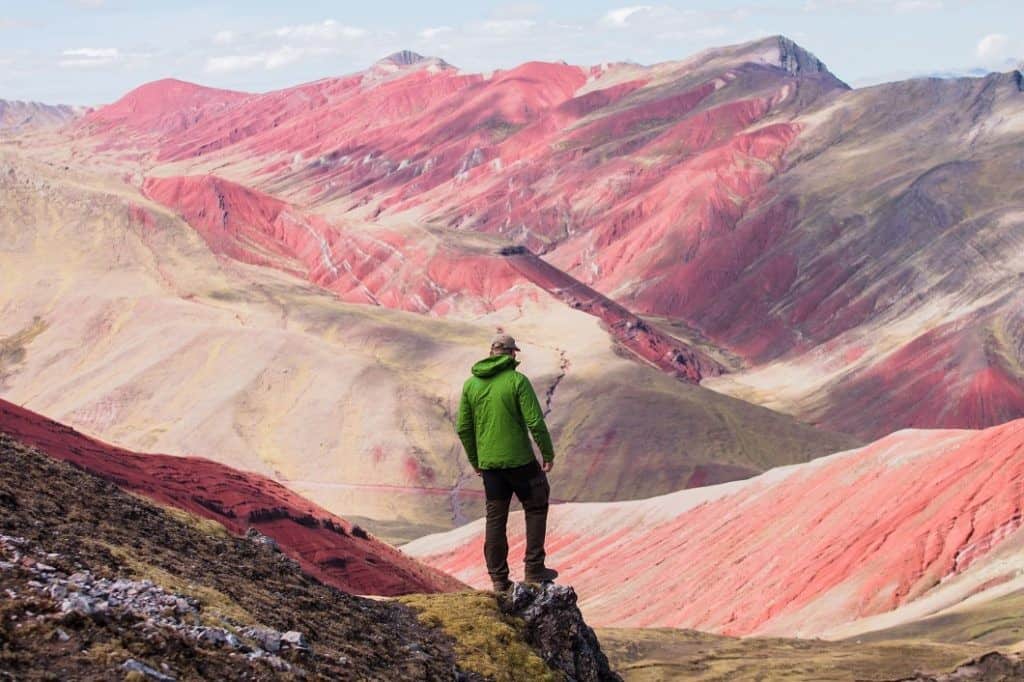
[[497, 412]]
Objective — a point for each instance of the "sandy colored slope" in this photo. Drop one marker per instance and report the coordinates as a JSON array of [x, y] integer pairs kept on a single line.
[[120, 322], [20, 117], [913, 524]]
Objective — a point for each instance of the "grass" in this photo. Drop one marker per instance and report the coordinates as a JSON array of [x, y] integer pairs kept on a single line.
[[665, 654], [206, 526], [995, 623], [487, 641]]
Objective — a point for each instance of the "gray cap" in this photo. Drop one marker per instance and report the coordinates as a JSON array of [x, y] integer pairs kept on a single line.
[[503, 342]]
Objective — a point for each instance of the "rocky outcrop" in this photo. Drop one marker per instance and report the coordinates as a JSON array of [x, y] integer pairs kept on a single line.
[[84, 595], [797, 60], [556, 629], [404, 58]]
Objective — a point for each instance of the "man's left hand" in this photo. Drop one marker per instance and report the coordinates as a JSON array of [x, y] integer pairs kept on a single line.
[[547, 466]]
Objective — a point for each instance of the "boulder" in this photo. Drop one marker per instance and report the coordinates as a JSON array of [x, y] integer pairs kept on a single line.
[[556, 630], [131, 665], [295, 640], [267, 639]]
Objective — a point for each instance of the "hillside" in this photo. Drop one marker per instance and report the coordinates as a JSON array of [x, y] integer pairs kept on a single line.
[[102, 584], [911, 526], [70, 526], [743, 199], [122, 323], [902, 309]]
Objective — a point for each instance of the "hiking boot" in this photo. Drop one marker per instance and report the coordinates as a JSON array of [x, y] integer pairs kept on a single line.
[[544, 575], [501, 586]]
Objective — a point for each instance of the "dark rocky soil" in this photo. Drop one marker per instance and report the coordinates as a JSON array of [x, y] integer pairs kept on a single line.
[[100, 584]]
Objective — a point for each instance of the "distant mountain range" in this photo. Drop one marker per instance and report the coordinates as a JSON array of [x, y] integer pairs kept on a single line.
[[19, 117], [739, 220]]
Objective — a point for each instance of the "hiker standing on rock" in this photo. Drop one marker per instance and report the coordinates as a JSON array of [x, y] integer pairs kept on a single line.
[[497, 413]]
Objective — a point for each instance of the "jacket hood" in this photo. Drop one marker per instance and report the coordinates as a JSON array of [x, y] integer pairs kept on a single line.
[[493, 365]]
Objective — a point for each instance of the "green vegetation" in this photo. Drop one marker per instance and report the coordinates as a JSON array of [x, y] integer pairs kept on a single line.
[[12, 348], [995, 623], [487, 642]]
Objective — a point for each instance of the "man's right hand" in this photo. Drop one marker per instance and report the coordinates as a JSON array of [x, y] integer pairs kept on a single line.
[[478, 472], [547, 466]]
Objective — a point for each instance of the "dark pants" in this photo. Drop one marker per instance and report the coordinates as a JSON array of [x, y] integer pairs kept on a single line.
[[530, 484]]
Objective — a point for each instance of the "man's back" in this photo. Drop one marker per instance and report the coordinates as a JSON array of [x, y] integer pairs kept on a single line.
[[497, 412]]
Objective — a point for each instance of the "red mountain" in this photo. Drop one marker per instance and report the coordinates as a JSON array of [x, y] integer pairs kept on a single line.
[[742, 194]]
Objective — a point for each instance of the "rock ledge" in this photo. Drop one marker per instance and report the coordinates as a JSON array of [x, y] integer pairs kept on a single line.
[[556, 630]]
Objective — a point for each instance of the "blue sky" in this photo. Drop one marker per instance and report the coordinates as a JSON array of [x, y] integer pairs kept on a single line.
[[93, 51]]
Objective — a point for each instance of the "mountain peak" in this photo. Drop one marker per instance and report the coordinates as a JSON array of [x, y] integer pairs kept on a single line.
[[796, 59], [408, 58], [780, 52], [403, 58]]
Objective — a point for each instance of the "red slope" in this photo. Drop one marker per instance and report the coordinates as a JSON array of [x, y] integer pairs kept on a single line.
[[323, 544], [693, 191], [378, 266], [644, 340], [794, 551], [162, 108], [385, 267], [954, 375]]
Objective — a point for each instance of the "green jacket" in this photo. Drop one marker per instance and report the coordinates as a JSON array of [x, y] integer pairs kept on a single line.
[[498, 405]]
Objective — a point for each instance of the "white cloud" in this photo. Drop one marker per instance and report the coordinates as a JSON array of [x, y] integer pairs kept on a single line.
[[993, 47], [89, 57], [223, 37], [327, 30], [434, 31], [269, 60], [504, 27], [898, 6], [89, 4], [620, 16], [234, 62]]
